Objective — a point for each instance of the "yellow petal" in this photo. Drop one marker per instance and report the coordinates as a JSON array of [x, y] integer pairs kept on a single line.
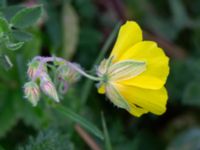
[[157, 68], [136, 111], [129, 34], [153, 101]]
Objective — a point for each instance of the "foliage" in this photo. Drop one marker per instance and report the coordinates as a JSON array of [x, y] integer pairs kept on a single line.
[[12, 33], [50, 139]]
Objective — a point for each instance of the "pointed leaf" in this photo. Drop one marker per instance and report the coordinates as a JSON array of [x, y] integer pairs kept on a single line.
[[82, 121], [26, 17], [9, 11]]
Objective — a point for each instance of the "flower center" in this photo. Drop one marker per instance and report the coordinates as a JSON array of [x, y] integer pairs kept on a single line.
[[105, 78]]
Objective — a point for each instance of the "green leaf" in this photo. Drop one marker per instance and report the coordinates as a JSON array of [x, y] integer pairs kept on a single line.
[[108, 144], [10, 11], [4, 26], [26, 17], [70, 31], [78, 119], [22, 36], [191, 94], [188, 140], [5, 62], [14, 46]]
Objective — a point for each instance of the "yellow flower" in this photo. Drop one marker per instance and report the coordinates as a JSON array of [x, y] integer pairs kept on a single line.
[[134, 75]]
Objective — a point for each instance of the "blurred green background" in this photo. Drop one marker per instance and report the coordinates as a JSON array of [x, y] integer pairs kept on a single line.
[[76, 30]]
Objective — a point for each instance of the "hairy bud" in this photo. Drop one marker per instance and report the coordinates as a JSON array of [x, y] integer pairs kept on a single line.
[[48, 87], [35, 67], [32, 92], [68, 74]]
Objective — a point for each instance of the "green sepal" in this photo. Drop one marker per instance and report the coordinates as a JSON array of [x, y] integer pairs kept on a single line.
[[126, 69], [115, 97]]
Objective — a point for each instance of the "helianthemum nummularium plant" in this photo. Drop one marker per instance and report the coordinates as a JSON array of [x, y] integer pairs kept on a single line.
[[135, 73], [133, 77]]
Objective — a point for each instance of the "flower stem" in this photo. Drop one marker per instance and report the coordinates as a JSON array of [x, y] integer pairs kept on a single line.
[[90, 77], [72, 65]]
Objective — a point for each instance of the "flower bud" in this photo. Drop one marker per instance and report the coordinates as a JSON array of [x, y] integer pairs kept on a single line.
[[68, 74], [48, 87], [33, 67], [32, 92]]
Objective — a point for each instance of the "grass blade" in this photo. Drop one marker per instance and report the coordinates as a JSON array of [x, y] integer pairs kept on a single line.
[[80, 120], [108, 145]]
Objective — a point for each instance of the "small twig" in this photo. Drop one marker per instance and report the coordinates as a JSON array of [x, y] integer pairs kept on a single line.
[[86, 137]]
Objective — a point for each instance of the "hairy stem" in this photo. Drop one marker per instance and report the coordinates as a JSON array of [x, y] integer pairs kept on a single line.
[[44, 60]]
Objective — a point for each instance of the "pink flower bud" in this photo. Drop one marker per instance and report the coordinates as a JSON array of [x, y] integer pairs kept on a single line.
[[35, 67], [32, 92], [48, 87]]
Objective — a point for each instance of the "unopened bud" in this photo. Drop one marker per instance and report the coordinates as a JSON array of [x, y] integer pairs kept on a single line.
[[32, 92], [68, 74], [48, 87], [33, 67]]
